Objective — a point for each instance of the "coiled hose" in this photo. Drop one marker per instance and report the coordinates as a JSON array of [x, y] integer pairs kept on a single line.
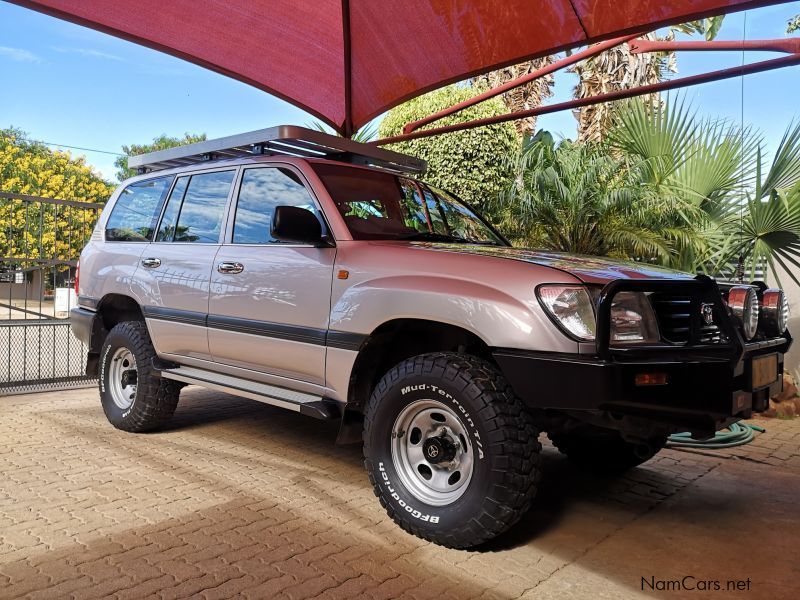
[[737, 434]]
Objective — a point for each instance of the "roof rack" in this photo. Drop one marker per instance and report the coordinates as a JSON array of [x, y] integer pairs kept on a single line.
[[285, 140]]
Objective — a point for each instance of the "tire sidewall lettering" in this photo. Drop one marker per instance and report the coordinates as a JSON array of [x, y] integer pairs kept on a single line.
[[416, 513], [103, 365], [444, 396]]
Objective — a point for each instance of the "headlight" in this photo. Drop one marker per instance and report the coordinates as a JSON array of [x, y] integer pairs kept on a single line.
[[774, 312], [571, 309], [633, 319], [743, 303]]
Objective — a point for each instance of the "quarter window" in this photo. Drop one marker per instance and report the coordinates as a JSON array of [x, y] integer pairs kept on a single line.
[[167, 229], [262, 190], [195, 208], [135, 212]]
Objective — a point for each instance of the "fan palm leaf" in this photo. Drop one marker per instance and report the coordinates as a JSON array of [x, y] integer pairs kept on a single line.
[[702, 160], [784, 172]]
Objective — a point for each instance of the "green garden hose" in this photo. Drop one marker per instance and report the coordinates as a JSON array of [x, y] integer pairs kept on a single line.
[[737, 434]]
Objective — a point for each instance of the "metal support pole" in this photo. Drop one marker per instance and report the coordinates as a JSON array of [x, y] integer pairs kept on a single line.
[[789, 46], [767, 65], [501, 89]]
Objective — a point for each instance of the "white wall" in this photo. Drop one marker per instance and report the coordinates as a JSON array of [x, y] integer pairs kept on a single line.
[[793, 293]]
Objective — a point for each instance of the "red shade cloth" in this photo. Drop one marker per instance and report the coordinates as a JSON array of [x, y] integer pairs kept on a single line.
[[347, 61]]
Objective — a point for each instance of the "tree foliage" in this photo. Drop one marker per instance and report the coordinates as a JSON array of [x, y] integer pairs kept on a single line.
[[162, 142], [706, 161], [473, 163], [37, 230], [581, 198], [618, 68], [751, 210], [667, 187], [793, 24], [29, 167], [763, 226], [529, 95]]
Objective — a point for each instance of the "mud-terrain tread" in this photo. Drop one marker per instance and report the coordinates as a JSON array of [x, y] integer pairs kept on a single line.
[[513, 444], [157, 397], [609, 455]]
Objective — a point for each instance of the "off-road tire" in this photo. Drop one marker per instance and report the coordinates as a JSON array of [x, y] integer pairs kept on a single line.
[[155, 398], [504, 480], [604, 450]]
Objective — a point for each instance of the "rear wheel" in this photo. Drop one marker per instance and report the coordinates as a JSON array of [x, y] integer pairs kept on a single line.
[[451, 451], [605, 450], [134, 397]]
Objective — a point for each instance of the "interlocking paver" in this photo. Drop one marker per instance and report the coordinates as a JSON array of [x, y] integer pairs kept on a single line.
[[235, 499]]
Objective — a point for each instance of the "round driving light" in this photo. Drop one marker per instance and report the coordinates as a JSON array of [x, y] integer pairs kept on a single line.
[[743, 303], [774, 312]]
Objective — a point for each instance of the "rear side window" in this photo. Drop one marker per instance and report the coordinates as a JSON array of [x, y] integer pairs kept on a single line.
[[167, 229], [135, 213], [262, 190], [196, 208]]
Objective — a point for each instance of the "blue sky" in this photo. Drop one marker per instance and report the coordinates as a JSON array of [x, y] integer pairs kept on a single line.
[[70, 85]]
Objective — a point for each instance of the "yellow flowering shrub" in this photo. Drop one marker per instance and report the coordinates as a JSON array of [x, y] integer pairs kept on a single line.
[[41, 230]]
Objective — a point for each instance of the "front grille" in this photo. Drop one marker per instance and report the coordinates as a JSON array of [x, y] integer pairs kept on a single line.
[[678, 314]]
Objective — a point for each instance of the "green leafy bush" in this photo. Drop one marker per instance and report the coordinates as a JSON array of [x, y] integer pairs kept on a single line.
[[472, 164]]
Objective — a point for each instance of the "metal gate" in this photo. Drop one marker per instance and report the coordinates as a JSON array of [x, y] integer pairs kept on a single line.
[[40, 241]]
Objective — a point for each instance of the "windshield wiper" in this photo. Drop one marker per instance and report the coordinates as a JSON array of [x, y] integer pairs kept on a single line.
[[430, 236]]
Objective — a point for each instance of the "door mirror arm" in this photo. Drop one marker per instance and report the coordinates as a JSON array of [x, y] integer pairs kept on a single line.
[[326, 241]]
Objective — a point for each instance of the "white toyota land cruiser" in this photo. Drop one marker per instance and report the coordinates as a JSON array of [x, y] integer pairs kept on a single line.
[[311, 273]]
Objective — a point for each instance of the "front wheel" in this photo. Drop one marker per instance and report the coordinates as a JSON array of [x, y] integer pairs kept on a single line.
[[452, 453]]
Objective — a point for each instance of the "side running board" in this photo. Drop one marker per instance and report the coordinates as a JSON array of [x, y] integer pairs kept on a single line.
[[306, 404]]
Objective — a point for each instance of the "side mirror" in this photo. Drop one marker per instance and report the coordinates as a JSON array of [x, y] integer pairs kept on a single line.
[[293, 224]]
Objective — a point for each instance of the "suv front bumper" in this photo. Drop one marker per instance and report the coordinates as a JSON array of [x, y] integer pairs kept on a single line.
[[707, 386], [701, 394]]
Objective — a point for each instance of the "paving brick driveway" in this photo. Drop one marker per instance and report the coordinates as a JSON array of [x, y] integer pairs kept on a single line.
[[237, 499]]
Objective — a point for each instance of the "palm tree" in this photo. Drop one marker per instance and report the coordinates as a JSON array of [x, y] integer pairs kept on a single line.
[[580, 198], [618, 69], [749, 213], [614, 69], [530, 95]]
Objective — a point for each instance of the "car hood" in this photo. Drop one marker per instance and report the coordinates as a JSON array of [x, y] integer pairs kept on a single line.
[[589, 269]]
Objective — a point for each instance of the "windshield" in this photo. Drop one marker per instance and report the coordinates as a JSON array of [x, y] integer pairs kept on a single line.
[[382, 206]]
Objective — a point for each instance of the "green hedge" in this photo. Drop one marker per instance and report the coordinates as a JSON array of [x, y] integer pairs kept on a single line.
[[474, 164]]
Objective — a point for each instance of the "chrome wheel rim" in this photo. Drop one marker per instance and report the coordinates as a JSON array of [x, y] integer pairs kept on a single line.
[[122, 378], [431, 452]]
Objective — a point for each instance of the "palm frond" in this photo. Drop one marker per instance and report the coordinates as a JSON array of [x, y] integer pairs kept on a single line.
[[768, 232], [785, 170], [367, 133]]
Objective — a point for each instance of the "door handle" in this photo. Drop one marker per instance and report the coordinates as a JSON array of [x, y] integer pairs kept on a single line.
[[230, 267], [151, 263]]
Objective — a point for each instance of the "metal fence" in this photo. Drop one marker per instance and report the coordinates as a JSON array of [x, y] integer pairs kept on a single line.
[[40, 241]]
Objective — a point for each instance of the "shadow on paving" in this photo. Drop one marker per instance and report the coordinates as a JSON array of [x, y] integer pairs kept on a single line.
[[282, 511]]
